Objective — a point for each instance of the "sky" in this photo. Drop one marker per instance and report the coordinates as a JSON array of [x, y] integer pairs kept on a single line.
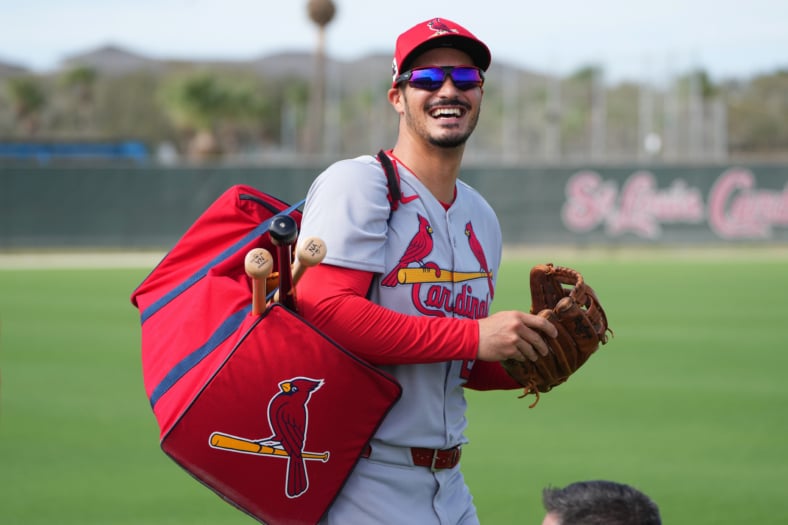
[[645, 40]]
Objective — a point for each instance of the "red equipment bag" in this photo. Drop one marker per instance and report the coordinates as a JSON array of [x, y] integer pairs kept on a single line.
[[264, 410]]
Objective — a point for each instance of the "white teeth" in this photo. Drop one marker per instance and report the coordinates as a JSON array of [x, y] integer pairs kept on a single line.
[[446, 112]]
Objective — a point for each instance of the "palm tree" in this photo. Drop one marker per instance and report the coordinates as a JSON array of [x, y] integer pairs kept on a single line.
[[321, 12], [81, 80], [28, 98], [213, 108], [195, 104]]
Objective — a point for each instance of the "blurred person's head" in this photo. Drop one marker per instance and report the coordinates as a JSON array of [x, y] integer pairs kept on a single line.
[[598, 503]]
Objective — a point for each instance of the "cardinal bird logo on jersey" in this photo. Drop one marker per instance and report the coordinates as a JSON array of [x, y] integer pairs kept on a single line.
[[437, 291], [478, 252], [419, 248], [289, 419]]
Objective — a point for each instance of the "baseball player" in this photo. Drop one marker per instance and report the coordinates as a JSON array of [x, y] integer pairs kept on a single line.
[[408, 285]]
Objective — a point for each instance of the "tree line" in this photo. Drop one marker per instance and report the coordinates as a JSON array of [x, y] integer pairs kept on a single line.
[[232, 114]]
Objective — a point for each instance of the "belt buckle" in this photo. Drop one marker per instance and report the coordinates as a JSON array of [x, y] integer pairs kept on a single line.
[[434, 459]]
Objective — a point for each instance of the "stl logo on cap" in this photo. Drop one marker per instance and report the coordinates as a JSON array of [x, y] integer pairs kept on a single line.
[[437, 32], [413, 37], [440, 27]]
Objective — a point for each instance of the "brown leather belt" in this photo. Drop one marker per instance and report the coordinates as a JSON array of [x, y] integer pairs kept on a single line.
[[432, 458]]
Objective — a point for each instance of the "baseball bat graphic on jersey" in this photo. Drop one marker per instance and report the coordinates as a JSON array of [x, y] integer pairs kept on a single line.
[[432, 275]]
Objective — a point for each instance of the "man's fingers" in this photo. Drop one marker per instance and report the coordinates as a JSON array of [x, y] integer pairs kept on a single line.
[[528, 351], [515, 335], [551, 330], [537, 322], [534, 346], [532, 335], [521, 354], [541, 347]]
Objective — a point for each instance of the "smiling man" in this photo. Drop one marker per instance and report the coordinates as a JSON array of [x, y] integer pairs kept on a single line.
[[408, 281]]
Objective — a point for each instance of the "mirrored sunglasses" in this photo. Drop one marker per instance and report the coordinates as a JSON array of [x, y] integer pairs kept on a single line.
[[432, 78]]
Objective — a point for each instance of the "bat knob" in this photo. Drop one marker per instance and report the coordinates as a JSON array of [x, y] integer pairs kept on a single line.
[[283, 230], [258, 263], [311, 251]]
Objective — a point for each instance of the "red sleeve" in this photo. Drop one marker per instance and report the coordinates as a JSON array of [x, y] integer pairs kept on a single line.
[[490, 376], [334, 300]]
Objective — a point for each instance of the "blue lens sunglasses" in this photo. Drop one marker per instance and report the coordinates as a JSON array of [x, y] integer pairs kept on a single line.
[[431, 78]]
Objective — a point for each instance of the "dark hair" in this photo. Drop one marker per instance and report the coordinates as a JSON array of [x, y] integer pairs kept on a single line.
[[600, 503]]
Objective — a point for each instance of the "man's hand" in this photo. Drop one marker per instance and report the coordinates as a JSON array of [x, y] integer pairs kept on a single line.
[[514, 335]]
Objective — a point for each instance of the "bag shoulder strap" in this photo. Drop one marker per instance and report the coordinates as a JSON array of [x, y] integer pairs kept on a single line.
[[392, 178]]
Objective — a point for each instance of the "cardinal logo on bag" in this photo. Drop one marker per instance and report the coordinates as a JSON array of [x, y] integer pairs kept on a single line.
[[288, 418]]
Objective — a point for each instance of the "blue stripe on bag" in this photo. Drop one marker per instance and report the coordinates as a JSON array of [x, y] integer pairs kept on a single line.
[[202, 272], [225, 330]]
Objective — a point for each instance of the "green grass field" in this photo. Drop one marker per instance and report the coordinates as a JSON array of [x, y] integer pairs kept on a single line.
[[688, 402]]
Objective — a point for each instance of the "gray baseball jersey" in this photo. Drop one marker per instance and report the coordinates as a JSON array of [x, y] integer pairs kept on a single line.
[[429, 261]]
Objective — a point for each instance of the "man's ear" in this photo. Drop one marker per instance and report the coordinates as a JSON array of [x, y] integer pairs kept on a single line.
[[397, 99]]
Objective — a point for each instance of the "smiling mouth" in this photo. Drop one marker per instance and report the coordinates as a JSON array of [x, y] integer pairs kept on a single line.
[[444, 112]]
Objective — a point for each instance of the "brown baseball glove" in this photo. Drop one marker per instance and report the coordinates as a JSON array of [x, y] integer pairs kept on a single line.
[[562, 296]]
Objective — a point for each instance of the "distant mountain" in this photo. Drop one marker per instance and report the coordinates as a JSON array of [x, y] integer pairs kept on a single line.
[[280, 65], [369, 70], [363, 72], [8, 70], [113, 60]]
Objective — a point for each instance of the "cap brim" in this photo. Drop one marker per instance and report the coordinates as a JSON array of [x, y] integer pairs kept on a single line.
[[478, 52]]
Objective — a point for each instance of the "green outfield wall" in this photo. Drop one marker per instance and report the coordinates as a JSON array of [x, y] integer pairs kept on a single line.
[[144, 207]]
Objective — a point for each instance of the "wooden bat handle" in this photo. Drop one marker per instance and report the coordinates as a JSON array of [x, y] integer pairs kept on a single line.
[[310, 252], [283, 233], [258, 265]]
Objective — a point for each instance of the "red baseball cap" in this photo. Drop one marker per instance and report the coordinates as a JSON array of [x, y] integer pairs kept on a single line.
[[437, 32]]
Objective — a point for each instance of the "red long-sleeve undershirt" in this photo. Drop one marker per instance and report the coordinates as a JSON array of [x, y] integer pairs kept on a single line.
[[334, 300]]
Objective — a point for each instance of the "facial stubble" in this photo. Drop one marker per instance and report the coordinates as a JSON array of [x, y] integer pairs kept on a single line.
[[452, 140]]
